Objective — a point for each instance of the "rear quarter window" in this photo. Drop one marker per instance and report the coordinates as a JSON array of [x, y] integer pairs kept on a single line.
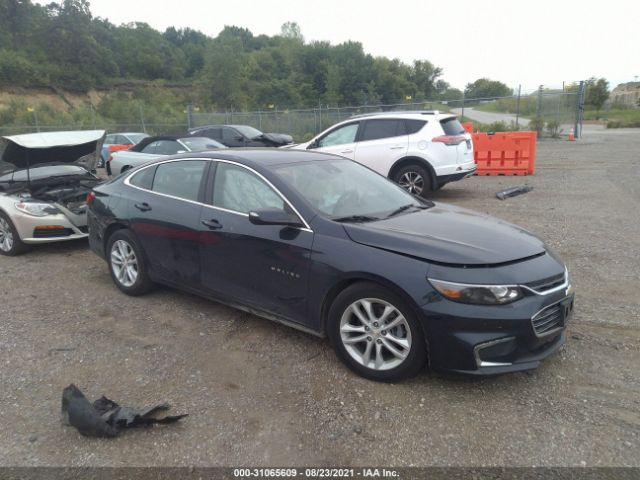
[[143, 178], [414, 126], [451, 126]]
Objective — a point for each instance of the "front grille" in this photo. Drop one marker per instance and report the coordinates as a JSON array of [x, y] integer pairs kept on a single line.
[[548, 319], [548, 283], [52, 233]]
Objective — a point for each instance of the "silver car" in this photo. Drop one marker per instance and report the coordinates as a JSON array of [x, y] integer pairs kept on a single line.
[[44, 182]]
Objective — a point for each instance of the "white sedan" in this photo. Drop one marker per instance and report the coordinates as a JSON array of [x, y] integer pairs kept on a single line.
[[155, 147]]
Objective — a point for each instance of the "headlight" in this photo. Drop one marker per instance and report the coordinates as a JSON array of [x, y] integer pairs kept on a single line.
[[36, 209], [477, 294]]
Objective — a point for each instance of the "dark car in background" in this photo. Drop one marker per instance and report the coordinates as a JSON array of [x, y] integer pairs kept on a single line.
[[235, 136], [326, 245]]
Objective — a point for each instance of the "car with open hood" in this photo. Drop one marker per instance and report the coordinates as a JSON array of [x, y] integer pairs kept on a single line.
[[44, 182], [326, 245]]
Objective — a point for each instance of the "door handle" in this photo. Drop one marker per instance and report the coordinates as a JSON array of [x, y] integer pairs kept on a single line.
[[143, 207], [213, 224], [347, 151], [396, 148]]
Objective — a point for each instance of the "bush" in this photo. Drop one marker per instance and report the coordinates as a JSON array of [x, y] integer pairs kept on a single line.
[[537, 125], [553, 129]]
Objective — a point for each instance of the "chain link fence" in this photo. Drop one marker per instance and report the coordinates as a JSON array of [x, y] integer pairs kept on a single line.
[[546, 106]]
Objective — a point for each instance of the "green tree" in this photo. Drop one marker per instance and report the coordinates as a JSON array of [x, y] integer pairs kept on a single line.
[[485, 88], [597, 92]]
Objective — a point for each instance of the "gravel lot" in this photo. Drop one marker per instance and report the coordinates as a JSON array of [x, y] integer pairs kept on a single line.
[[262, 394]]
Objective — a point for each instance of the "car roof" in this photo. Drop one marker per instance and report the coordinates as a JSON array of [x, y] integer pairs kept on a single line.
[[414, 115], [261, 157]]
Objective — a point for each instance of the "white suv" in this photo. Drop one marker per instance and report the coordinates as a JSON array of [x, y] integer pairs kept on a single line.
[[421, 151]]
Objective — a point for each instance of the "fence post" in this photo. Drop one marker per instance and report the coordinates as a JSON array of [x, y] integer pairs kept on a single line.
[[518, 107], [144, 128], [93, 116], [539, 104], [189, 116], [579, 110], [463, 98]]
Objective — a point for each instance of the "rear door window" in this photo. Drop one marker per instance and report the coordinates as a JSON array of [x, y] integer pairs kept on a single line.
[[180, 179], [229, 135], [451, 126], [383, 128]]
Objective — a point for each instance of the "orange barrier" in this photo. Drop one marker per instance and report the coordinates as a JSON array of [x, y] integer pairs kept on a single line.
[[468, 127], [505, 153]]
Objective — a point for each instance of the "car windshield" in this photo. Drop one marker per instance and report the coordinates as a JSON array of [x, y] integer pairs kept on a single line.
[[248, 131], [345, 190], [199, 144], [137, 137]]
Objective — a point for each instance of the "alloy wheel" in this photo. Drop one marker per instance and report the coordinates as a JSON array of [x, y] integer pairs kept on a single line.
[[124, 263], [375, 334], [6, 236], [412, 181]]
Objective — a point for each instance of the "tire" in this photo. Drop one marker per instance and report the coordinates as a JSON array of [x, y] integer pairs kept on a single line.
[[10, 243], [351, 340], [127, 264], [415, 179]]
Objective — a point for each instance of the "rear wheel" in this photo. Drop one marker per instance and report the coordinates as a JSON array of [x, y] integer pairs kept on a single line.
[[127, 264], [376, 334], [10, 243], [415, 179]]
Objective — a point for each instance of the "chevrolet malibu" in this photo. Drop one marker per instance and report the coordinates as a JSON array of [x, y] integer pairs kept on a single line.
[[325, 245]]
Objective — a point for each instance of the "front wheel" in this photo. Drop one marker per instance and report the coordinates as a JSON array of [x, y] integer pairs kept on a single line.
[[10, 243], [415, 179], [127, 264], [376, 334]]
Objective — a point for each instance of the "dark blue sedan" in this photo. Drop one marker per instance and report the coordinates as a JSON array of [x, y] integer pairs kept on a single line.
[[328, 246]]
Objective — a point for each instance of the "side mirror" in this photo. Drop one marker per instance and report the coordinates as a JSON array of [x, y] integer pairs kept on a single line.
[[273, 216], [182, 151], [240, 138]]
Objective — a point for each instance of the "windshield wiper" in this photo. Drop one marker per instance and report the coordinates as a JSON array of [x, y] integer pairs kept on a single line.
[[407, 207], [356, 218]]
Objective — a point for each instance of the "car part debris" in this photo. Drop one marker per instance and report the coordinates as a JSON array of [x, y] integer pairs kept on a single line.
[[512, 192], [105, 418]]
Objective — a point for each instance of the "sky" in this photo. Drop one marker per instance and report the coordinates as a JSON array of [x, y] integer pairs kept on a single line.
[[526, 43]]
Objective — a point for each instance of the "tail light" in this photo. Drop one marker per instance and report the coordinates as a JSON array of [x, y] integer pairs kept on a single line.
[[90, 198], [450, 139], [110, 157]]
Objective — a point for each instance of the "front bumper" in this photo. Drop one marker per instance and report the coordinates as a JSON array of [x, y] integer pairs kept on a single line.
[[490, 340], [34, 230]]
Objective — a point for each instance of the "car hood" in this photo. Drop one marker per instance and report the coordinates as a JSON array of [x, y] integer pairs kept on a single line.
[[450, 235], [18, 152]]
